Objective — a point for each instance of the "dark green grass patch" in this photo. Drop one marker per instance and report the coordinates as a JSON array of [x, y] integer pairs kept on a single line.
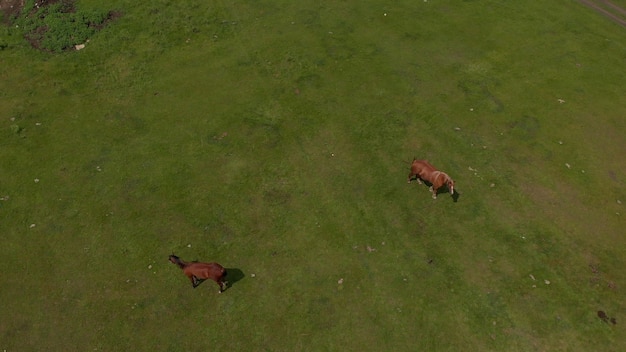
[[57, 25]]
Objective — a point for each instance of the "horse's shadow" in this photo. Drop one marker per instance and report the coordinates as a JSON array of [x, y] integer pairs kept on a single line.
[[455, 196], [233, 276]]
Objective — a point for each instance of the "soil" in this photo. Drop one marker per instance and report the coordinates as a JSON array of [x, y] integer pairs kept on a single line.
[[605, 318], [11, 9]]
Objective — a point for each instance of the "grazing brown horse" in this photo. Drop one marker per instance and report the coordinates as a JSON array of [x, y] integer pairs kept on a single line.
[[198, 272], [423, 170]]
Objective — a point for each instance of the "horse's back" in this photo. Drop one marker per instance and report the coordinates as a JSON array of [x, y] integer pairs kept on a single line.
[[422, 168], [218, 268], [429, 165], [207, 270], [419, 165]]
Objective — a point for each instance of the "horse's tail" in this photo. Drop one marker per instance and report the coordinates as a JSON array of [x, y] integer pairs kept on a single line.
[[176, 260]]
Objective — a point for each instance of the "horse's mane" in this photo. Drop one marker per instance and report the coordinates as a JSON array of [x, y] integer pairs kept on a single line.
[[447, 177], [449, 180]]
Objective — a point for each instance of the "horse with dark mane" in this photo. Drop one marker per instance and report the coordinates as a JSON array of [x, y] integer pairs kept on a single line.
[[423, 170], [198, 272]]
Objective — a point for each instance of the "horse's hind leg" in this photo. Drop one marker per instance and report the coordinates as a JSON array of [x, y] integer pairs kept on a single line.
[[194, 281], [414, 176]]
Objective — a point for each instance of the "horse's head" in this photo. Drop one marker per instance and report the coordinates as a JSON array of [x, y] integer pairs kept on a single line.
[[174, 259], [450, 183]]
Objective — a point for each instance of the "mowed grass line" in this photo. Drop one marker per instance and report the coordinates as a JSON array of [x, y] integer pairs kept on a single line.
[[273, 138]]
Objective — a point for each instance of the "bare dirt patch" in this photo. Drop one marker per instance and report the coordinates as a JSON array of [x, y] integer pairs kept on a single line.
[[10, 9]]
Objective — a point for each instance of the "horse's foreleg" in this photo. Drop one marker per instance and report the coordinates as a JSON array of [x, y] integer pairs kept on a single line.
[[433, 190], [416, 177], [222, 286]]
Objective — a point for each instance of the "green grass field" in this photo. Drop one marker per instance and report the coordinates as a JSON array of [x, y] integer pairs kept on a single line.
[[274, 138]]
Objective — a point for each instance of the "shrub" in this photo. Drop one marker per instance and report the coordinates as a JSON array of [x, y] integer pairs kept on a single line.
[[59, 26]]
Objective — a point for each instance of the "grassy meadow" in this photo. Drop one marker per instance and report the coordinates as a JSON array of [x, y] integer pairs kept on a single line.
[[274, 137]]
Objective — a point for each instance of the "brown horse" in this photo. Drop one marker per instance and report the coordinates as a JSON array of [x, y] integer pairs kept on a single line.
[[423, 170], [198, 272]]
